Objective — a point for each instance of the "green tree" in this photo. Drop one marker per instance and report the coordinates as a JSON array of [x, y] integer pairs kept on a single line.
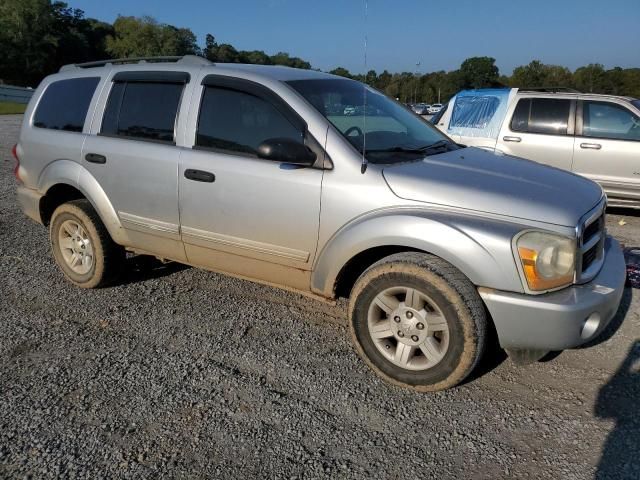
[[256, 57], [591, 78], [283, 58], [342, 72], [479, 72], [537, 74], [145, 37], [27, 40]]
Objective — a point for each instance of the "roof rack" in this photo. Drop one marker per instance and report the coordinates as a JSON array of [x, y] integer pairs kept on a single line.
[[194, 60], [550, 89]]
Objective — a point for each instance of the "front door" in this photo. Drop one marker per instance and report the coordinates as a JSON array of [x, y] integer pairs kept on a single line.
[[607, 148], [242, 214]]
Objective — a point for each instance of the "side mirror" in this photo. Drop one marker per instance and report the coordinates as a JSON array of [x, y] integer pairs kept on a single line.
[[287, 151]]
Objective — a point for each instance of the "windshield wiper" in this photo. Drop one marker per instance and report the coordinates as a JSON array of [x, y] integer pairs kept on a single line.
[[394, 150], [423, 149], [438, 144]]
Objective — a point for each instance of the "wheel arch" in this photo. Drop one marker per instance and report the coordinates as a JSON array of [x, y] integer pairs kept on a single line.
[[65, 180], [365, 241]]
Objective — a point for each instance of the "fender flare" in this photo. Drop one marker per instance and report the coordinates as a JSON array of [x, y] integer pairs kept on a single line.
[[445, 236], [72, 173]]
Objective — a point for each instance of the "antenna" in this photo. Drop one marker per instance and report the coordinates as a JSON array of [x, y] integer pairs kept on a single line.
[[363, 166]]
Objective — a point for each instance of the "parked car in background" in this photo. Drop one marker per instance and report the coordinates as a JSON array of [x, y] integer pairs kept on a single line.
[[597, 136], [435, 108], [242, 169], [349, 110], [421, 108]]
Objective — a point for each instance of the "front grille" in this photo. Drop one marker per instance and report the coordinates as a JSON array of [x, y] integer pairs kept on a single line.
[[593, 229], [591, 244], [589, 256]]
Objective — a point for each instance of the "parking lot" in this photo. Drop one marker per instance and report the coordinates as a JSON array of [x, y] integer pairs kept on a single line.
[[178, 372]]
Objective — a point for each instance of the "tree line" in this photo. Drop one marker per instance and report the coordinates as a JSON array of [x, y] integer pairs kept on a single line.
[[37, 37]]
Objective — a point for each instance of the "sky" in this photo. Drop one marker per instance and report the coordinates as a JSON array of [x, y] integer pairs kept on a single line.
[[400, 33]]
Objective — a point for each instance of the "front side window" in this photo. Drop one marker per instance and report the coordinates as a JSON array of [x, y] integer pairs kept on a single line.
[[236, 121], [65, 103], [384, 130], [609, 120], [541, 115], [142, 110]]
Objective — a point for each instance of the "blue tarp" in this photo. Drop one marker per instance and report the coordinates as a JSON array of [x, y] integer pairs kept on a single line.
[[479, 113]]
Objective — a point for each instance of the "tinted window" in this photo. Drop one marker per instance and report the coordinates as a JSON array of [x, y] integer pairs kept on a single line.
[[541, 115], [238, 122], [608, 120], [65, 103], [142, 110]]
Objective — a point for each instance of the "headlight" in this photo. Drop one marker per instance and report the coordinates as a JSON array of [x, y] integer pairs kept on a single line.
[[548, 260]]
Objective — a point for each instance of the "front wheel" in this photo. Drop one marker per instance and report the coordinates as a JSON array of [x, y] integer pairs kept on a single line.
[[417, 321]]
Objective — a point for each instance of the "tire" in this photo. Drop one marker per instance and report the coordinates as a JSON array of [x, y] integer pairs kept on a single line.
[[427, 318], [82, 246]]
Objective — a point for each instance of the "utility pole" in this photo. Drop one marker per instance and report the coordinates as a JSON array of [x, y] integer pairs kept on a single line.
[[415, 94]]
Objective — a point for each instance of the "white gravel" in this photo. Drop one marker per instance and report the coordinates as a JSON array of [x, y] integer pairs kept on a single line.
[[182, 373]]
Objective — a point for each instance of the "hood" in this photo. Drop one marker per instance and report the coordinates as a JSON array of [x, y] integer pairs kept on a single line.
[[476, 179]]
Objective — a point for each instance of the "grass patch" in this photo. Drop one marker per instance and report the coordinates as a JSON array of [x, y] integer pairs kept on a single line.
[[7, 108]]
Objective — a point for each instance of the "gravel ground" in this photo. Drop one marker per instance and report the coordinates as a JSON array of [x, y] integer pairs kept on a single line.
[[184, 373]]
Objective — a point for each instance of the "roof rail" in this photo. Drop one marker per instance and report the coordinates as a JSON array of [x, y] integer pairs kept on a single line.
[[184, 60], [550, 89]]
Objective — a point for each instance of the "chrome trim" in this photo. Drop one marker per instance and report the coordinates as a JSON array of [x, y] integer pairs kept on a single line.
[[147, 225], [189, 233], [599, 237]]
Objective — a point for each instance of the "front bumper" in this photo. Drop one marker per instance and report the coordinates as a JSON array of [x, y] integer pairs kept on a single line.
[[563, 319], [29, 200]]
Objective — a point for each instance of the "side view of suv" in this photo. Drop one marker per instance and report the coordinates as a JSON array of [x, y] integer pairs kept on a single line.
[[243, 169], [597, 136]]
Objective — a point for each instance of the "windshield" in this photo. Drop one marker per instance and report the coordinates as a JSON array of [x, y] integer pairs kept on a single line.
[[393, 133], [636, 103]]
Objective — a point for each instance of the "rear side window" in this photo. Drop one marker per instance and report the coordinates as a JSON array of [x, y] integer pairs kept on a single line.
[[541, 115], [236, 121], [142, 110], [474, 112], [65, 103]]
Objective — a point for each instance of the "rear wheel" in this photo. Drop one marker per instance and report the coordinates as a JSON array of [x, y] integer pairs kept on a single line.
[[82, 246], [417, 321]]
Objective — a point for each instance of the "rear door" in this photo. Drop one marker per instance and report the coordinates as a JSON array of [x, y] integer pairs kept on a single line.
[[134, 157], [540, 129], [607, 147]]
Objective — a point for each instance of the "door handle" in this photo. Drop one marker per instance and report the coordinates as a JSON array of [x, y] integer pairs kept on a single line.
[[199, 175], [512, 139], [591, 146], [95, 158]]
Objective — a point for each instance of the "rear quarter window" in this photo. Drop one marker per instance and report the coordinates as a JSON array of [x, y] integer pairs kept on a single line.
[[65, 103]]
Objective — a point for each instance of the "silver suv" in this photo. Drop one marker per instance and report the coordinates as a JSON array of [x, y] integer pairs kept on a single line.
[[256, 171]]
